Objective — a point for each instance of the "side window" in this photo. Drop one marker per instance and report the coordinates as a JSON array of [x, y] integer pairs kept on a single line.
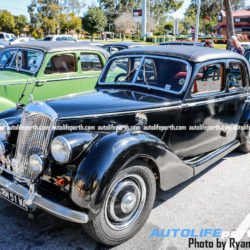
[[6, 58], [235, 76], [90, 62], [209, 80], [148, 72], [61, 64]]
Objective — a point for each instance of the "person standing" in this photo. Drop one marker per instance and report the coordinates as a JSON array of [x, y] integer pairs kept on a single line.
[[235, 46], [209, 44]]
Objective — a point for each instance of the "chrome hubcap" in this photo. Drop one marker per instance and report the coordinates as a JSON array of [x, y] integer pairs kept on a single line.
[[125, 202], [128, 202]]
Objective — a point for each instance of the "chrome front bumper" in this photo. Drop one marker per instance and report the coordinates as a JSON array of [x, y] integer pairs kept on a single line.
[[32, 198]]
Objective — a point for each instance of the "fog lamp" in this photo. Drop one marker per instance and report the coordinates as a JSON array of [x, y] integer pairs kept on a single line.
[[36, 164]]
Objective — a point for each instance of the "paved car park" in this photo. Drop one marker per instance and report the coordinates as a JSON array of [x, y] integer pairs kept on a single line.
[[217, 198]]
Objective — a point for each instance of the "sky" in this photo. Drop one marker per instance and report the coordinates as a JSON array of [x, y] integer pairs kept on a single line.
[[17, 7]]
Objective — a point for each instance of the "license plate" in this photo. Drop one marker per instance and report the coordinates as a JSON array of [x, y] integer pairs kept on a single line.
[[13, 198]]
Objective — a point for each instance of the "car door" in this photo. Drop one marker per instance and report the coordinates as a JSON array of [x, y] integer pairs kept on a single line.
[[68, 73], [58, 76], [237, 83], [203, 113], [91, 65]]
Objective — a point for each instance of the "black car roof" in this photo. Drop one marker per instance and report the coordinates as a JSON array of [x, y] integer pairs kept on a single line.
[[184, 43], [125, 44], [190, 53], [48, 46]]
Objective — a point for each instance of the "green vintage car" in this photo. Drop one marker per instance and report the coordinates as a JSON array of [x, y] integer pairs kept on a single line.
[[44, 70]]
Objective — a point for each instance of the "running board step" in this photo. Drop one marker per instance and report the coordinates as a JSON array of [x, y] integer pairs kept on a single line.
[[207, 160]]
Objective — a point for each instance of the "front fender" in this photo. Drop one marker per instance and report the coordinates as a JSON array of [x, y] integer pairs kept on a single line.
[[111, 154], [6, 104]]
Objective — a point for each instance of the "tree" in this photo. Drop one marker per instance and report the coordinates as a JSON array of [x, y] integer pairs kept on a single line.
[[158, 8], [69, 22], [230, 20], [7, 21], [73, 6], [44, 15], [94, 21], [21, 22], [125, 24], [209, 13]]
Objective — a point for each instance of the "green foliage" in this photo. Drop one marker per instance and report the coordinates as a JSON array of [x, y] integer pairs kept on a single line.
[[47, 16], [209, 13], [43, 15], [21, 22], [158, 8], [94, 21], [73, 6], [7, 21]]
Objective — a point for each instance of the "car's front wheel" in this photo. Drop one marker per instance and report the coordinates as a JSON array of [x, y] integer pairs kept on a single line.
[[245, 146], [127, 205]]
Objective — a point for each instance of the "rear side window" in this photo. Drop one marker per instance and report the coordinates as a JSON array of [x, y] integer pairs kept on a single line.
[[90, 62], [61, 64], [1, 36], [209, 80], [235, 76]]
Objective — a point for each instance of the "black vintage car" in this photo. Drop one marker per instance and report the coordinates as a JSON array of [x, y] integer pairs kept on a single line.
[[158, 117], [115, 47]]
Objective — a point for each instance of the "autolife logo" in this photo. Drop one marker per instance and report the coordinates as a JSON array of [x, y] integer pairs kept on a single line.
[[207, 238]]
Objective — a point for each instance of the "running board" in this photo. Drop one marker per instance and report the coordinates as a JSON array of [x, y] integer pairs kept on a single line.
[[207, 160]]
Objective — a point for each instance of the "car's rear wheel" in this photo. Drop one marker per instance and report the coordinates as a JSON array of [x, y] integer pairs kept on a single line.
[[127, 205]]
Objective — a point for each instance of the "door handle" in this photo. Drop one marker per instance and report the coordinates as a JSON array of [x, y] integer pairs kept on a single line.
[[223, 133]]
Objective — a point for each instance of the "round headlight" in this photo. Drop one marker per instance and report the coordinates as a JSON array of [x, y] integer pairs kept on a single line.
[[61, 149], [36, 164], [4, 130]]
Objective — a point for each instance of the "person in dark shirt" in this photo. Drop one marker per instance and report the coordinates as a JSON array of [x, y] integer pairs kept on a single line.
[[235, 46]]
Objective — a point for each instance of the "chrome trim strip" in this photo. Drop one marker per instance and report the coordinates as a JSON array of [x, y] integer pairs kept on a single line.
[[215, 100], [45, 204], [66, 78]]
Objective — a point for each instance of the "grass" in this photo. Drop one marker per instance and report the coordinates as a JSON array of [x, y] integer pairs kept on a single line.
[[220, 46]]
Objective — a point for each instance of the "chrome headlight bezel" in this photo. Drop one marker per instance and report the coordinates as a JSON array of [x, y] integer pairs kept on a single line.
[[72, 146], [4, 130], [61, 145]]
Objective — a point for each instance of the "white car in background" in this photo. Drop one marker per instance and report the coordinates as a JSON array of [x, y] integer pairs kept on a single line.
[[21, 40], [5, 38], [60, 38], [245, 45]]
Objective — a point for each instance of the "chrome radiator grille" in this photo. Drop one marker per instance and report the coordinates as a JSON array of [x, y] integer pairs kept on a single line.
[[37, 126]]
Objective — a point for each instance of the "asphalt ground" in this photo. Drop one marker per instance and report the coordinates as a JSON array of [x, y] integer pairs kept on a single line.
[[217, 198]]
